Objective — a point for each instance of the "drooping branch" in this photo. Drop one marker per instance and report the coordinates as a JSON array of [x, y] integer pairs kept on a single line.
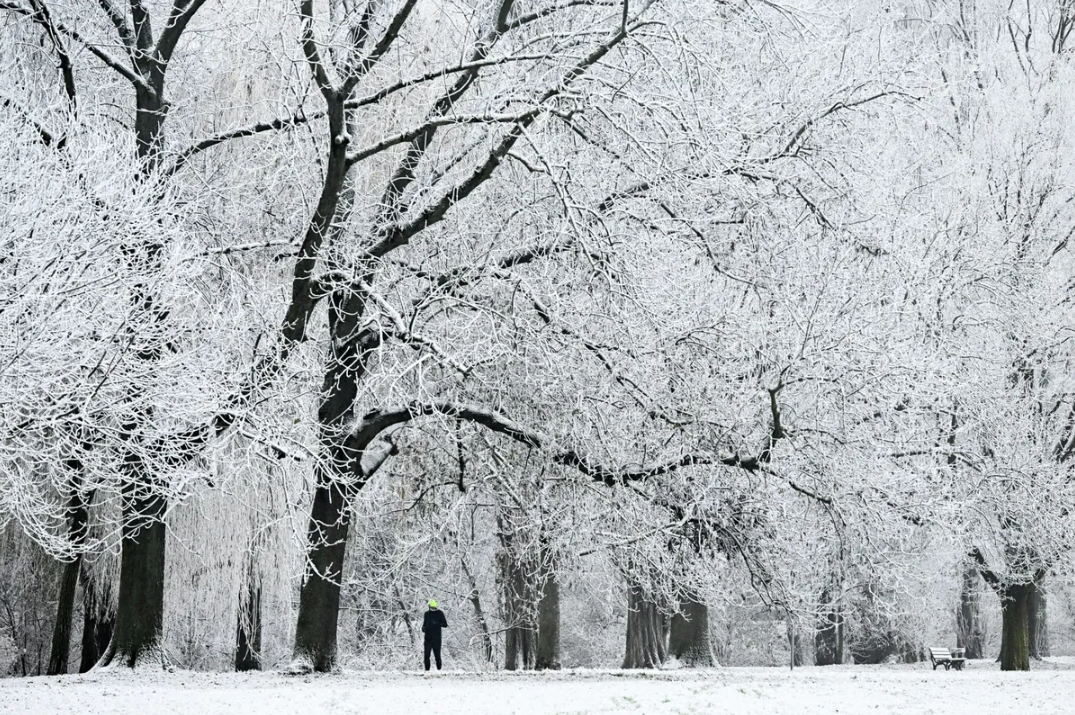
[[374, 423], [464, 275], [637, 393], [274, 125], [402, 332], [809, 492]]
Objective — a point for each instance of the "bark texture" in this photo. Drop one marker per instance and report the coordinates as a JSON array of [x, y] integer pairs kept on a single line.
[[319, 597], [140, 610], [338, 474], [829, 635], [65, 606], [797, 658], [1014, 642], [78, 516], [688, 634], [548, 645], [520, 647], [1015, 612], [98, 624], [646, 633]]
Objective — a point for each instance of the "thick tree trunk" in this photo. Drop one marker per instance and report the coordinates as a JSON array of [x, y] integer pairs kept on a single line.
[[519, 648], [98, 623], [248, 634], [969, 634], [61, 632], [829, 636], [1014, 641], [96, 635], [338, 474], [519, 638], [140, 611], [1037, 623], [548, 632], [319, 597], [646, 634], [688, 637], [829, 640]]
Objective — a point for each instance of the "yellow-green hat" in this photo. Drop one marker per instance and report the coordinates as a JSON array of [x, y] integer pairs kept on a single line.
[[432, 603]]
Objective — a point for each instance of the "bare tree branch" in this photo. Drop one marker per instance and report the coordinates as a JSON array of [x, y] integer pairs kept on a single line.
[[99, 53]]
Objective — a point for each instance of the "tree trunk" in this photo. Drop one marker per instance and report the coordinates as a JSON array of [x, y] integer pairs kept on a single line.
[[969, 634], [338, 474], [519, 637], [96, 635], [1014, 641], [248, 635], [61, 632], [548, 632], [688, 637], [518, 648], [829, 636], [319, 597], [140, 611], [646, 634], [1037, 623], [97, 625], [78, 516]]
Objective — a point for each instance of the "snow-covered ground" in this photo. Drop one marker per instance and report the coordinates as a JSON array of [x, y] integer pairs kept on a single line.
[[981, 689]]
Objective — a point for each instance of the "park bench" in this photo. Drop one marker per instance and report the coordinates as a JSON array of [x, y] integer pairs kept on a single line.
[[942, 656]]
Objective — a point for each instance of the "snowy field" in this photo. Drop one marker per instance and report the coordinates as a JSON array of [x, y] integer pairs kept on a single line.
[[981, 689]]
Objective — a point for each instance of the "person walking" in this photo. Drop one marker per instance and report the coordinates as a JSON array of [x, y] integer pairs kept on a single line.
[[432, 623]]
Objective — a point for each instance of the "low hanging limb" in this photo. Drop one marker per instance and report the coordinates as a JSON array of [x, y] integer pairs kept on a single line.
[[375, 422]]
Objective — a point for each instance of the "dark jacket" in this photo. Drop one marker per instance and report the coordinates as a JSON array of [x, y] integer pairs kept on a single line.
[[432, 623]]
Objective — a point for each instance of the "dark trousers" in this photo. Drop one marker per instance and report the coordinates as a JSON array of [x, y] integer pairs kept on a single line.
[[432, 643]]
